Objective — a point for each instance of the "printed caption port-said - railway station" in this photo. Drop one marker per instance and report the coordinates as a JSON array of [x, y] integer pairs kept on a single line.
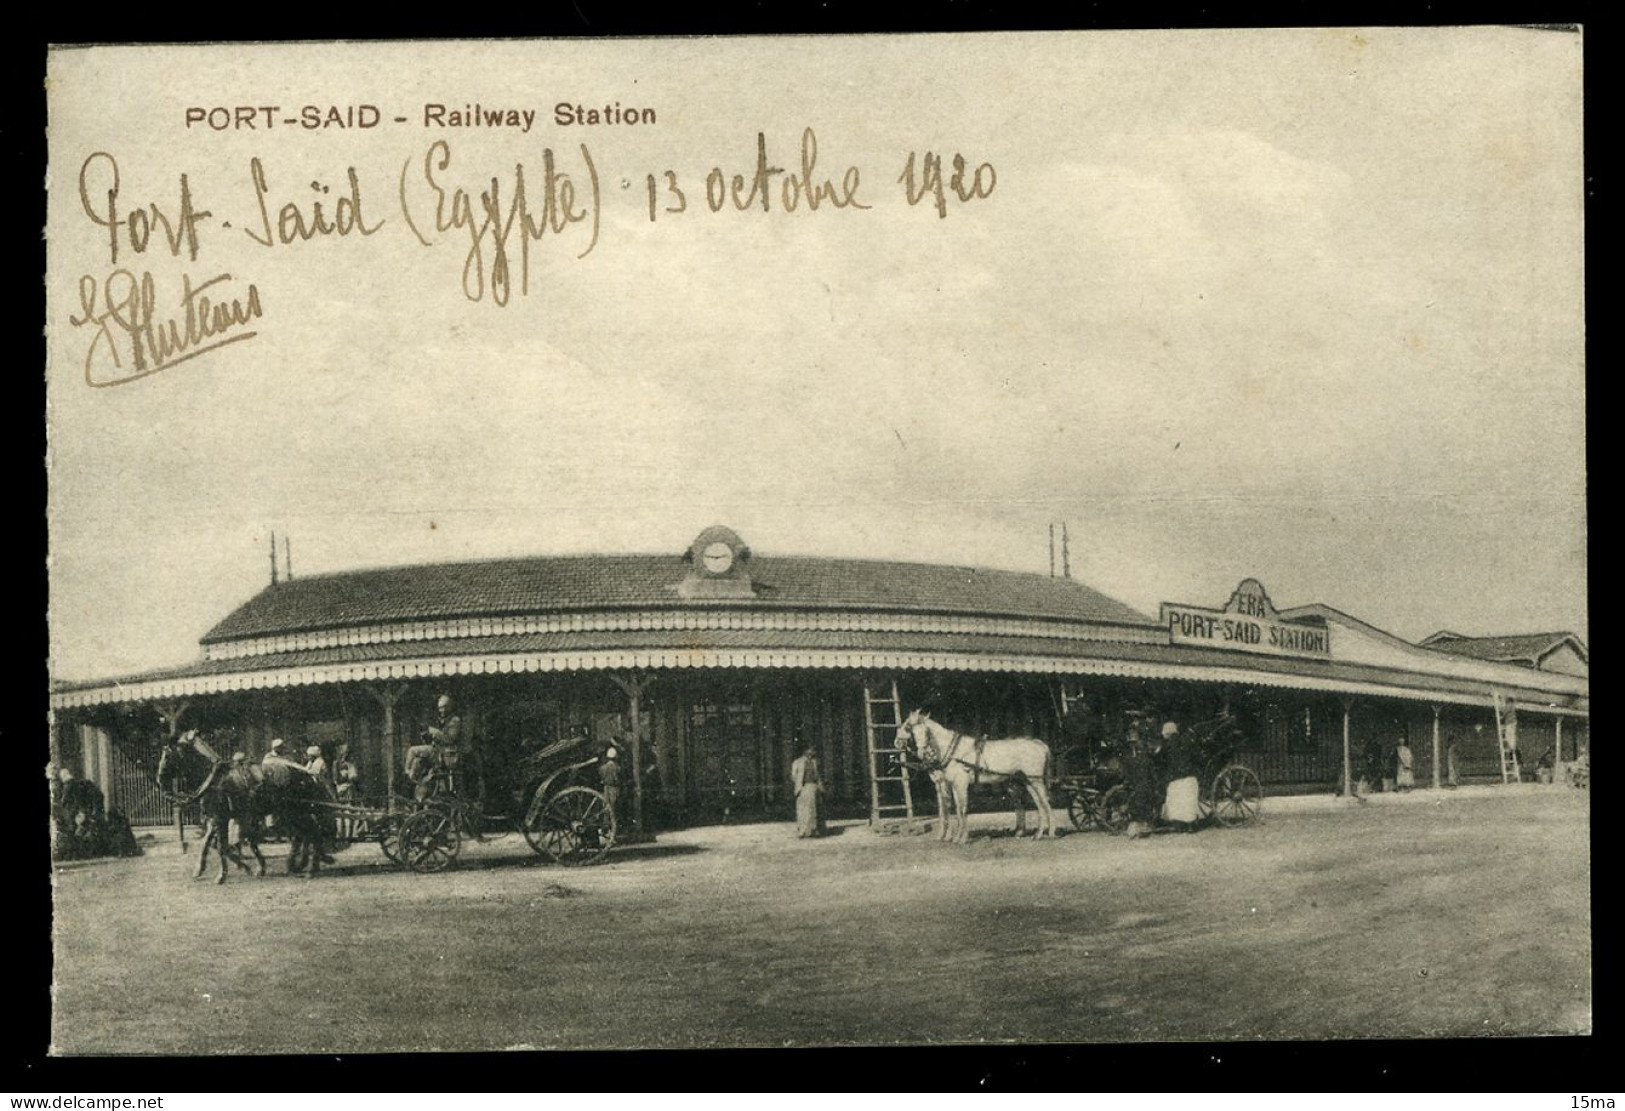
[[722, 663]]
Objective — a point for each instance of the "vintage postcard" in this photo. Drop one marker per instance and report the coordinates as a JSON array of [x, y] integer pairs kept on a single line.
[[873, 540]]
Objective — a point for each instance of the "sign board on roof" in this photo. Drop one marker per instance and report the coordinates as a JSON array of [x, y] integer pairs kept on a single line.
[[1249, 622]]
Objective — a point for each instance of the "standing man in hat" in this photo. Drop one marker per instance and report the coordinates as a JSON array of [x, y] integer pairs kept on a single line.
[[244, 778], [347, 788], [274, 776], [1405, 760], [316, 765], [808, 782], [1142, 776], [609, 775]]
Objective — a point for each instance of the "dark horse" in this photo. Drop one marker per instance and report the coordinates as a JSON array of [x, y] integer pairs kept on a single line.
[[242, 793]]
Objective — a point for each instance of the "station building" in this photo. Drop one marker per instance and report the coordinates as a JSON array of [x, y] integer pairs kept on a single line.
[[721, 662]]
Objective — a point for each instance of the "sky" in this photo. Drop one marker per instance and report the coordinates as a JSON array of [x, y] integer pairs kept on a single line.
[[1305, 306]]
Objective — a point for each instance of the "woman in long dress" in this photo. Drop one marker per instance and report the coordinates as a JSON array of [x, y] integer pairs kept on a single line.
[[1182, 800], [804, 777], [1405, 776]]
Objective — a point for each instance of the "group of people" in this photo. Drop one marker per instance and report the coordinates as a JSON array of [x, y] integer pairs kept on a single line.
[[83, 825], [1161, 775], [340, 777], [1390, 765]]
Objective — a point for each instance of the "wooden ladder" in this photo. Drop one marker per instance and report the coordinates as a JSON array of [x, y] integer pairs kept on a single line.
[[891, 809], [1506, 733]]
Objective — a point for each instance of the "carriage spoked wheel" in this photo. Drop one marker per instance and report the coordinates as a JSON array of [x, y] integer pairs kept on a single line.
[[574, 827], [1106, 811], [1237, 797], [389, 836], [429, 840], [1082, 811], [1113, 810]]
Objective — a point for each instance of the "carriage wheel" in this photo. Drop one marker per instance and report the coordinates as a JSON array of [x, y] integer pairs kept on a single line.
[[389, 836], [1081, 813], [1237, 797], [1113, 810], [575, 826], [429, 841]]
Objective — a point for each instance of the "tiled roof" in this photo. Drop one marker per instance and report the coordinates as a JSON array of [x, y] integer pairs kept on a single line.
[[1525, 648], [1280, 671], [490, 588]]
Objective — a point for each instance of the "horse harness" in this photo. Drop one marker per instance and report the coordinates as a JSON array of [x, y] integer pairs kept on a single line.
[[218, 767], [949, 757]]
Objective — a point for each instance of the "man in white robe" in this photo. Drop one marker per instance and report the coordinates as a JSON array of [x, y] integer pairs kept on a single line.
[[808, 784], [1405, 766]]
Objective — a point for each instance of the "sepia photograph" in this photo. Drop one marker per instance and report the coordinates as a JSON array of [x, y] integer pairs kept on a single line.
[[999, 538]]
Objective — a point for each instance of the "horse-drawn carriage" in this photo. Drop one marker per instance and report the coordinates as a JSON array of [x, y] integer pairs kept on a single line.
[[543, 796], [557, 812], [1231, 793], [1097, 797]]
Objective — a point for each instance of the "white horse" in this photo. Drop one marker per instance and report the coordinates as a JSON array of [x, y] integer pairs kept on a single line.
[[954, 761]]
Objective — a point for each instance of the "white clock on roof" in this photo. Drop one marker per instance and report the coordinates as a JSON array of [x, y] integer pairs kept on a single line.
[[717, 557], [719, 566]]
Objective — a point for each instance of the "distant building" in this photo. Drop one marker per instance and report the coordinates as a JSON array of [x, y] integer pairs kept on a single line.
[[1562, 652], [720, 657]]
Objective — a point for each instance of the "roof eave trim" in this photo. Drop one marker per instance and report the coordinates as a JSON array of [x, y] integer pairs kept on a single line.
[[816, 659], [210, 638]]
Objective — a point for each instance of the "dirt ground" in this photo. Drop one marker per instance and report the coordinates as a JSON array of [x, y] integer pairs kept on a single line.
[[1444, 914]]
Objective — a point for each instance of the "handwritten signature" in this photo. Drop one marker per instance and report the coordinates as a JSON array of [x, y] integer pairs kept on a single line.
[[132, 340]]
